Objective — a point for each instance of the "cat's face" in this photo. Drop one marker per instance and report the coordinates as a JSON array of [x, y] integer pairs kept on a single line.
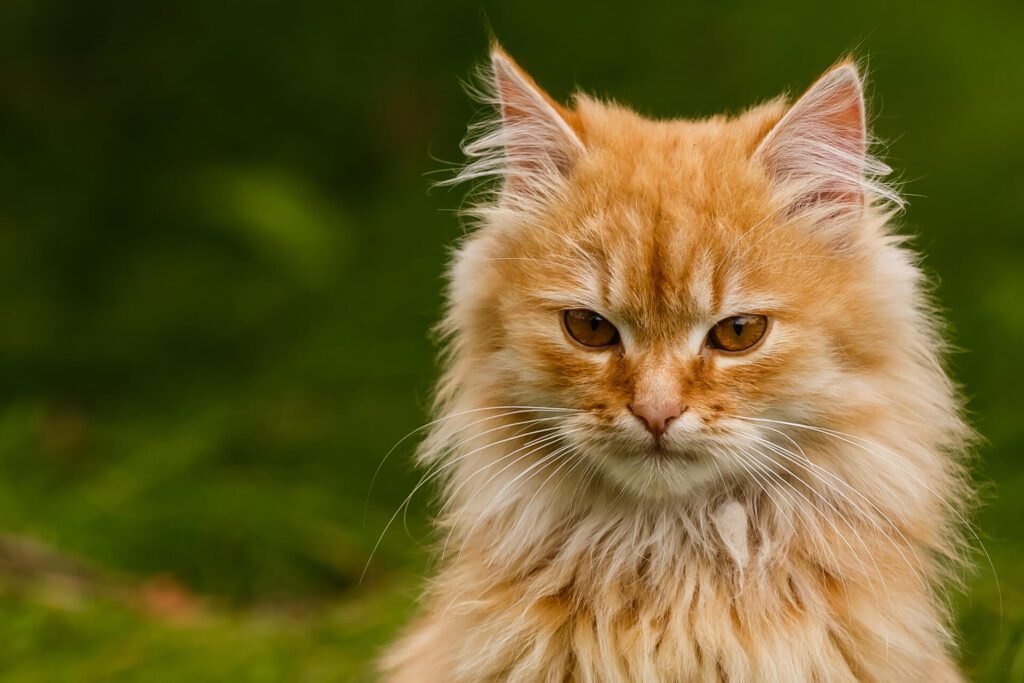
[[662, 282]]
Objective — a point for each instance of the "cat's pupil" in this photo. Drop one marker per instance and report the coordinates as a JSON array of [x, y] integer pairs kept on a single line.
[[737, 326], [595, 321]]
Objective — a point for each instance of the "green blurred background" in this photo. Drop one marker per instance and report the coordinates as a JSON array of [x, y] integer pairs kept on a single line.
[[220, 259]]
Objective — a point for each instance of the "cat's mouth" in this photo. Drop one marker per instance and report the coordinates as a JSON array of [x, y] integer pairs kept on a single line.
[[662, 452], [667, 469]]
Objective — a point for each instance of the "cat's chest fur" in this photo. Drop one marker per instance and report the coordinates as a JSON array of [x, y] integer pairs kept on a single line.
[[733, 601]]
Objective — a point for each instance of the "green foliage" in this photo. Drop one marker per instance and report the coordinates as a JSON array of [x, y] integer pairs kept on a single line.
[[99, 641], [219, 262]]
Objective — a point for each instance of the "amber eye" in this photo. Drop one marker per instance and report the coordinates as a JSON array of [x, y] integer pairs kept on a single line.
[[738, 333], [589, 328]]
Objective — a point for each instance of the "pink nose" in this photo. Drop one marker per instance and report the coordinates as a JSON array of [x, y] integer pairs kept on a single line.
[[657, 417]]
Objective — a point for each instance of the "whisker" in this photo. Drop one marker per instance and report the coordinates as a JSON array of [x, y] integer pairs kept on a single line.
[[497, 497], [853, 440], [763, 484], [864, 513], [540, 442], [547, 442], [437, 468], [796, 508], [515, 410], [572, 451], [768, 472], [428, 478], [483, 515]]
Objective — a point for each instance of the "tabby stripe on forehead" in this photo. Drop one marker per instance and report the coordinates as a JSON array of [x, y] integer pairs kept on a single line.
[[704, 285]]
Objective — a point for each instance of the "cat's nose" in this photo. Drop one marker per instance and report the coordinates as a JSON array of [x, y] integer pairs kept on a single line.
[[657, 416]]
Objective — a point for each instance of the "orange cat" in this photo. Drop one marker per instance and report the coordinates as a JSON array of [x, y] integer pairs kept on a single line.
[[694, 423]]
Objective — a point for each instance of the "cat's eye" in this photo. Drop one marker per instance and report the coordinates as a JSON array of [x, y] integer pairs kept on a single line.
[[738, 333], [589, 328]]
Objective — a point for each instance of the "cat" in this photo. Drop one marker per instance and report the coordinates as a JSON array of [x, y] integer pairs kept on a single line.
[[693, 422]]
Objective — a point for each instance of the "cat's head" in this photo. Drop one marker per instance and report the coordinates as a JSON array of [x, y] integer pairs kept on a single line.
[[680, 290]]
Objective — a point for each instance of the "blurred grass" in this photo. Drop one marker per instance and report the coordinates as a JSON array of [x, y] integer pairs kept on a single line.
[[219, 261], [97, 640]]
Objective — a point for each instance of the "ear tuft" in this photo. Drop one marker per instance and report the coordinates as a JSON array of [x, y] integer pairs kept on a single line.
[[817, 153], [531, 146]]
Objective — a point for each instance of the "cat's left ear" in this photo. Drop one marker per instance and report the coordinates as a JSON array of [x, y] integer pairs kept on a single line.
[[816, 154], [540, 139]]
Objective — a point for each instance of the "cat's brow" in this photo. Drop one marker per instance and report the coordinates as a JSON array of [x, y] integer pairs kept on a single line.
[[750, 303], [701, 286], [570, 298]]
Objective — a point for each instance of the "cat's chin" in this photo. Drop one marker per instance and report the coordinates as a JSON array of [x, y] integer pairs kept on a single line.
[[661, 474]]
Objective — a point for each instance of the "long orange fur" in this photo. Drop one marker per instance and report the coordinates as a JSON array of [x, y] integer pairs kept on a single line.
[[806, 514]]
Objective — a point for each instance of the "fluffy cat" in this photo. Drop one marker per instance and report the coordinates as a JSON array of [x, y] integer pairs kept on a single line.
[[693, 423]]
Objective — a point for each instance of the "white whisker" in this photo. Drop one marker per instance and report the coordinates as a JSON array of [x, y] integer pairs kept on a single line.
[[428, 477], [864, 444]]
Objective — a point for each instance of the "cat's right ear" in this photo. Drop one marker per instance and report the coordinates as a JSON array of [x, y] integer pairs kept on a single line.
[[535, 142], [817, 153]]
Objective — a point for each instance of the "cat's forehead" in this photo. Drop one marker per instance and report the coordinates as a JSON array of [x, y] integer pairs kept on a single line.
[[660, 272], [658, 275], [663, 223], [669, 225], [630, 152]]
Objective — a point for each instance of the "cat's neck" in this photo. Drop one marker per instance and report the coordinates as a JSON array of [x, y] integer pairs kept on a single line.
[[534, 516]]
